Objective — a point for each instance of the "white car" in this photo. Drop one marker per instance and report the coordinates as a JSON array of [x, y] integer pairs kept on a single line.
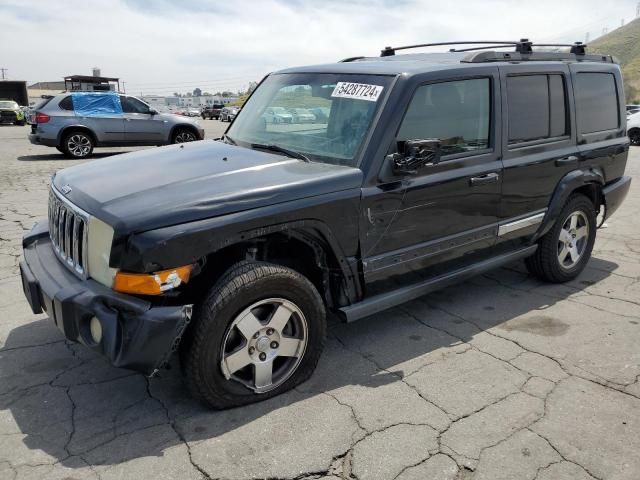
[[277, 115], [633, 128], [302, 115]]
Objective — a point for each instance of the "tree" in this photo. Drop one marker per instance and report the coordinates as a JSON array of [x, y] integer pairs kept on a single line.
[[252, 86], [176, 94], [197, 92]]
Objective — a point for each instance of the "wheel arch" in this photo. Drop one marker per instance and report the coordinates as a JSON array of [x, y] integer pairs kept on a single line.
[[307, 247], [70, 128], [587, 182]]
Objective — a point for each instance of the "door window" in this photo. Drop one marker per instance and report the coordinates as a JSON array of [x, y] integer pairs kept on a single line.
[[133, 105], [537, 107], [456, 113]]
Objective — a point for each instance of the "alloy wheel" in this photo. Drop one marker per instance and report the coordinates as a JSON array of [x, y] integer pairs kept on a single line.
[[79, 145], [264, 344], [185, 136], [573, 239]]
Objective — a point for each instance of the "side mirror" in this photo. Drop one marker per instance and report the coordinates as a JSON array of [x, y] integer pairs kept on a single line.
[[417, 154], [153, 111]]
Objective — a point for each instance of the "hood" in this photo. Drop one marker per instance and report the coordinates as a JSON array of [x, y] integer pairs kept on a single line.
[[158, 187]]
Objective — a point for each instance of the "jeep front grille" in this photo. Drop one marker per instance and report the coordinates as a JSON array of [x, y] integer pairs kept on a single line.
[[68, 227]]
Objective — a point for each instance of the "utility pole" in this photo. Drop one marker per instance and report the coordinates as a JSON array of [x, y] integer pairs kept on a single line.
[[3, 73], [124, 90], [638, 10]]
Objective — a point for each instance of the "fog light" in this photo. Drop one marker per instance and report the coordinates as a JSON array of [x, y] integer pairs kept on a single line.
[[95, 328]]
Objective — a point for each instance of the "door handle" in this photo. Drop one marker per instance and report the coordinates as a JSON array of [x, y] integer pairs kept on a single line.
[[567, 161], [484, 179]]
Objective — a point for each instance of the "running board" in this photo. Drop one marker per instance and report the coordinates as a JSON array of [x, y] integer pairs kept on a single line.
[[375, 304]]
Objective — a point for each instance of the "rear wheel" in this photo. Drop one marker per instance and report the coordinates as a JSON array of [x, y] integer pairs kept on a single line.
[[77, 144], [259, 333], [634, 136], [183, 135], [564, 251]]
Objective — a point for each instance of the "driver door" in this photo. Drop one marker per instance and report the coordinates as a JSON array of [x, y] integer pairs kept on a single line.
[[415, 223], [140, 127]]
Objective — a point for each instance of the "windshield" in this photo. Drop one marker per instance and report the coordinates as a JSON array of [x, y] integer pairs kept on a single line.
[[323, 116], [7, 104]]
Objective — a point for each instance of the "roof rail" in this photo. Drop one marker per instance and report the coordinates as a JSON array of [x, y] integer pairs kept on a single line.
[[389, 51], [524, 45], [350, 59], [490, 56]]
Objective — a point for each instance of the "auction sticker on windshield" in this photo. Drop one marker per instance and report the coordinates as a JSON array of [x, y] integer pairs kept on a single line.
[[358, 91]]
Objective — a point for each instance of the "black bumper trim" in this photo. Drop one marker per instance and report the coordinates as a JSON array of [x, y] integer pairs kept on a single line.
[[614, 194], [135, 334]]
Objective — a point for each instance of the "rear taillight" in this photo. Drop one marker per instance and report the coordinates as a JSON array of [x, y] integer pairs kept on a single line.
[[41, 117]]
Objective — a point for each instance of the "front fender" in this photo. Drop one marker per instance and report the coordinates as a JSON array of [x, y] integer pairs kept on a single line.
[[566, 186]]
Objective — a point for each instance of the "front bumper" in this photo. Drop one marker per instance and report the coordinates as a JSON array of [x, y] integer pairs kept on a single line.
[[614, 194], [135, 334]]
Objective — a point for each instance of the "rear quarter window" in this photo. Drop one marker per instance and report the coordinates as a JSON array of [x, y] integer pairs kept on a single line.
[[597, 103], [66, 103]]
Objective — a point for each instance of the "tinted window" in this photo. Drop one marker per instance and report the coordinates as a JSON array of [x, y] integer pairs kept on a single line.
[[133, 105], [597, 102], [66, 103], [456, 113], [536, 107]]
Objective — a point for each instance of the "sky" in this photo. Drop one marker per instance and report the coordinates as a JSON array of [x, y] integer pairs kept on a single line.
[[164, 46]]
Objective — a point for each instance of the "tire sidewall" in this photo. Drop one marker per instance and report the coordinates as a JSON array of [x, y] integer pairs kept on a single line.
[[214, 318], [584, 205]]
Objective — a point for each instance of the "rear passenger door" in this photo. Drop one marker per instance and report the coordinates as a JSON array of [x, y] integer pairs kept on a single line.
[[539, 143]]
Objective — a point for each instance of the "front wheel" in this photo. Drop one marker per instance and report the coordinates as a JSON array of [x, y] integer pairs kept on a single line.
[[77, 145], [183, 135], [634, 136], [259, 333], [564, 251]]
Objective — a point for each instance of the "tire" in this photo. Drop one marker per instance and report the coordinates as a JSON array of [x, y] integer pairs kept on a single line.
[[60, 149], [634, 136], [183, 135], [77, 144], [215, 333], [546, 263]]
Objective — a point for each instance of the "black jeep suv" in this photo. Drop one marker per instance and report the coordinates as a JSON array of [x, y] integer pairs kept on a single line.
[[212, 111], [428, 169]]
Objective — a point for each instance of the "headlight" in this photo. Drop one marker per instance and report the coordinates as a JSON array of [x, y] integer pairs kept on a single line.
[[99, 240]]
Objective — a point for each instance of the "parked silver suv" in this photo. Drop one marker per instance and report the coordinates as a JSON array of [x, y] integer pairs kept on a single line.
[[77, 122]]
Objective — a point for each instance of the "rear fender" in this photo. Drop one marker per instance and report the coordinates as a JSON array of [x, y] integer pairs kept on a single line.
[[568, 184]]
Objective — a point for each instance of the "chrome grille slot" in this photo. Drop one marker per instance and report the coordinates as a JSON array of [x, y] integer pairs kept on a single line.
[[68, 230]]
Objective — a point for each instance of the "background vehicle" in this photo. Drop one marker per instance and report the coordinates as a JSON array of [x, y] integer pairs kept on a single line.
[[633, 128], [193, 112], [10, 112], [631, 109], [302, 115], [15, 90], [430, 169], [321, 114], [228, 114], [212, 111], [277, 115], [75, 123]]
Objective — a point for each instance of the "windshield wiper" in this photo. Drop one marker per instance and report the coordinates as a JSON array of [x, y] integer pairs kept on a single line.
[[227, 139], [286, 151]]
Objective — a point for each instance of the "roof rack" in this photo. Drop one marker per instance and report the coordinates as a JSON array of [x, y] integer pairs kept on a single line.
[[523, 51], [350, 59]]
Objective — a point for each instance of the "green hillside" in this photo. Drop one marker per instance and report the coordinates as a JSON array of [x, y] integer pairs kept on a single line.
[[624, 43]]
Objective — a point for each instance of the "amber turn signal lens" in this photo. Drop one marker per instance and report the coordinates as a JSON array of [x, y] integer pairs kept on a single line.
[[152, 283]]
